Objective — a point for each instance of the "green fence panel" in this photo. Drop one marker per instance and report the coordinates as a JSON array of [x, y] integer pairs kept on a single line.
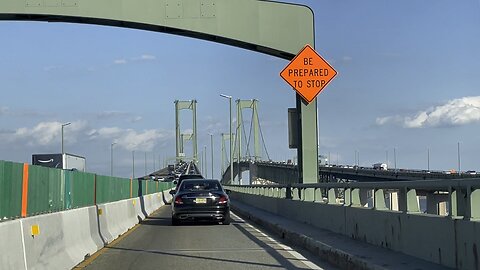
[[11, 180], [144, 187], [83, 189], [167, 185], [111, 189], [152, 186], [135, 188], [67, 178], [45, 190]]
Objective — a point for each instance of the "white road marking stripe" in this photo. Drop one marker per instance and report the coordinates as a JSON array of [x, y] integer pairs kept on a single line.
[[294, 253]]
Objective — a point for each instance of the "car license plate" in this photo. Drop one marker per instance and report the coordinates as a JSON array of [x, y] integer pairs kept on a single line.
[[201, 200]]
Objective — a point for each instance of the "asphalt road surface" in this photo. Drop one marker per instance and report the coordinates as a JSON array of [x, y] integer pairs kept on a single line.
[[156, 244]]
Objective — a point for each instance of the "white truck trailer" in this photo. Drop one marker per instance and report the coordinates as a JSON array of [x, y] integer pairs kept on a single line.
[[60, 161]]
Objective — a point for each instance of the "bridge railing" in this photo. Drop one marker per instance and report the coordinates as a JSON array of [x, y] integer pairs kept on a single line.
[[453, 198], [27, 190]]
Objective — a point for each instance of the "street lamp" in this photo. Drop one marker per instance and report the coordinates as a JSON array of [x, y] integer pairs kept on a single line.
[[458, 156], [111, 158], [231, 139], [64, 125], [205, 165], [211, 149]]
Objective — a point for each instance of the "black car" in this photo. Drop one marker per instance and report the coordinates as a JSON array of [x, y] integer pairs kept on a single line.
[[200, 199]]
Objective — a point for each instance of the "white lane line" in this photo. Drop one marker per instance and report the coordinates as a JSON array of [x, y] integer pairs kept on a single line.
[[292, 252]]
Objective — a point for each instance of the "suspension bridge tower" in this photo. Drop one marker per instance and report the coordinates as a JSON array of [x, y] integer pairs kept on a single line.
[[179, 139]]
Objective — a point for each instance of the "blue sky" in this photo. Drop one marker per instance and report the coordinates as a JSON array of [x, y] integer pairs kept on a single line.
[[408, 78]]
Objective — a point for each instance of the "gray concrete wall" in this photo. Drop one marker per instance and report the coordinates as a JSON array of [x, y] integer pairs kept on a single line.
[[11, 247], [444, 240]]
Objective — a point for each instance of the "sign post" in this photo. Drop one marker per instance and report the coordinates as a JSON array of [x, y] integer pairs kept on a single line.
[[308, 73]]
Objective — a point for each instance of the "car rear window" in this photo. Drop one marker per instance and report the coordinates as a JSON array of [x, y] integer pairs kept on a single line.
[[200, 186]]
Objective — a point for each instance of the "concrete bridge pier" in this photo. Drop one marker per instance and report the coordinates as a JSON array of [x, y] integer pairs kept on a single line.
[[359, 197], [437, 203]]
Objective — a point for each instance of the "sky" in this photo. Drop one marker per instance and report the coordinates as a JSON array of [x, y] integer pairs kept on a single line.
[[408, 79]]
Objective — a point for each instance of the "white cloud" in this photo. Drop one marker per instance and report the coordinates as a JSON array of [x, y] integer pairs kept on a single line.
[[130, 139], [148, 57], [455, 112], [46, 133], [144, 57], [135, 119], [120, 62], [110, 114], [49, 133]]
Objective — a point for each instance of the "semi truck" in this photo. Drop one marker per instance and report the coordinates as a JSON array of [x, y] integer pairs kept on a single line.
[[60, 161]]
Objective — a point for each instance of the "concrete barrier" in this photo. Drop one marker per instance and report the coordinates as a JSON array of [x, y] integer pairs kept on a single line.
[[12, 255], [452, 242], [116, 218], [60, 240]]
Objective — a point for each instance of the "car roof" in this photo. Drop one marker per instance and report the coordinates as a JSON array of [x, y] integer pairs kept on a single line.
[[190, 176], [202, 180]]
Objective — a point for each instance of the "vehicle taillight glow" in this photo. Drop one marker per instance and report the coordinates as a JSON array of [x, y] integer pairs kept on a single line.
[[223, 199], [178, 200]]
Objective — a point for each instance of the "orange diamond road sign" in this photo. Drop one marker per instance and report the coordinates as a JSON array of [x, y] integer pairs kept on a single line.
[[308, 73]]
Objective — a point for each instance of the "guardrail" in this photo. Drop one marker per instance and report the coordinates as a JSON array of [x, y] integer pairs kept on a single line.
[[455, 198], [435, 220]]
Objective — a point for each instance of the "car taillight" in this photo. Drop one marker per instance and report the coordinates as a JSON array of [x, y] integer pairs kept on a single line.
[[178, 200], [223, 199]]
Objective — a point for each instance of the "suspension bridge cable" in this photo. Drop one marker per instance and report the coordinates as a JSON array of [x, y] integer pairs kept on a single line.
[[263, 140]]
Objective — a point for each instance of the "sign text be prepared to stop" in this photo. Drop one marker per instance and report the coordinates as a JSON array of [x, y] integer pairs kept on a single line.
[[308, 73]]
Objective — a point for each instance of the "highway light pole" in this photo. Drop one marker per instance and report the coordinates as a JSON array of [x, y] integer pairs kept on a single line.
[[458, 156], [111, 158], [211, 149], [428, 159], [205, 158], [395, 158], [231, 139], [64, 125]]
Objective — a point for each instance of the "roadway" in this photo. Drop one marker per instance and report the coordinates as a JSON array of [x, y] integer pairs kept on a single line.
[[156, 244]]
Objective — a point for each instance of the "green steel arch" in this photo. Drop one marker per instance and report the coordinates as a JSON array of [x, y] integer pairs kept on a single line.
[[273, 28]]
